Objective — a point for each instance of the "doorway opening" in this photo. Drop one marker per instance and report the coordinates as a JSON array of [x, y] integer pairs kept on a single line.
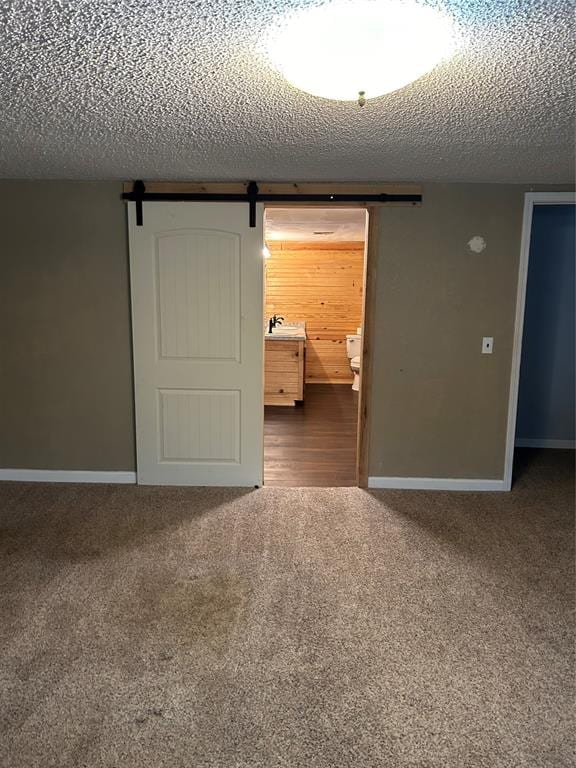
[[541, 412], [314, 299]]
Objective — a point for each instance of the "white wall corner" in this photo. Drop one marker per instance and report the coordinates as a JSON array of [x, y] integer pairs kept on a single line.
[[66, 476], [437, 484]]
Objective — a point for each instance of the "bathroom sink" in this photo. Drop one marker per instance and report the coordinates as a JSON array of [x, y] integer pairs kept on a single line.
[[292, 331], [288, 330]]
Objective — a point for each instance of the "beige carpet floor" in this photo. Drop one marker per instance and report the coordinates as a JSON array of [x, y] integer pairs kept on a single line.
[[288, 628]]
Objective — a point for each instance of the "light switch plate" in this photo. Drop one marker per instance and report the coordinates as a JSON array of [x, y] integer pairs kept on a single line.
[[487, 345]]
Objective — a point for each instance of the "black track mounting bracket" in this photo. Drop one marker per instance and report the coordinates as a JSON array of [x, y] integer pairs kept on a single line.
[[252, 196]]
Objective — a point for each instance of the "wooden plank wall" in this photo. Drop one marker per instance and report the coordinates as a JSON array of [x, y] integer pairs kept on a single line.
[[320, 283]]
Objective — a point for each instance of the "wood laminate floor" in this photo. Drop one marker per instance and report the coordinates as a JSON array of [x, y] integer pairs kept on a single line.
[[313, 443]]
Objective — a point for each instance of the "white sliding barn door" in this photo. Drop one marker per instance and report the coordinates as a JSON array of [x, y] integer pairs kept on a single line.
[[197, 314]]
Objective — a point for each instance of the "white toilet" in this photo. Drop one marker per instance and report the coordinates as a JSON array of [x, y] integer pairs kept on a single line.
[[354, 352]]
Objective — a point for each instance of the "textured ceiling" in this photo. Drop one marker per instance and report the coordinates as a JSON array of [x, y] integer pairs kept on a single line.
[[312, 224], [180, 89]]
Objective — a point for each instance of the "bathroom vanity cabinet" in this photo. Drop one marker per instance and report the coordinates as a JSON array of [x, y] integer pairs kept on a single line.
[[284, 361]]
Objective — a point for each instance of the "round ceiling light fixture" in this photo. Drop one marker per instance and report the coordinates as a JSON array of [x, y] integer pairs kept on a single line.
[[359, 49]]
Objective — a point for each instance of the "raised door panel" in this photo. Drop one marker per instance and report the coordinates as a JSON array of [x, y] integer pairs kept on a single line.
[[198, 295], [199, 426]]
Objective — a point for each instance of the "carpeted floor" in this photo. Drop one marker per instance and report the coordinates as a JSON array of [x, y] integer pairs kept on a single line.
[[288, 628]]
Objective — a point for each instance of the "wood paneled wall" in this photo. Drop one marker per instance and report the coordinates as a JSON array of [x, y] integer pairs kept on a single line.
[[320, 283]]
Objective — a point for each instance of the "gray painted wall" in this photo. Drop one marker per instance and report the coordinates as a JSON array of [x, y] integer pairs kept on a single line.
[[439, 406], [546, 394], [66, 378]]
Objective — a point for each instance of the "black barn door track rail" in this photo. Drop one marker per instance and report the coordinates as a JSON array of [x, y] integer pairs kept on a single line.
[[252, 196]]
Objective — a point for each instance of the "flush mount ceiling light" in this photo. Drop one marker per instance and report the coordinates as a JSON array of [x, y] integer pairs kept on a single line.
[[360, 49]]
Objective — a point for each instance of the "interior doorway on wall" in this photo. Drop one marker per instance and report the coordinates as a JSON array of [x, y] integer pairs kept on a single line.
[[542, 412], [314, 296]]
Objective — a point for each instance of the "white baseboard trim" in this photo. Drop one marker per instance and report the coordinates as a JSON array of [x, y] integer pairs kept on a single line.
[[66, 476], [436, 484], [534, 442]]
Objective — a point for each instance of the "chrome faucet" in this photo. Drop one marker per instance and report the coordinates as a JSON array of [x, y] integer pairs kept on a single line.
[[273, 322]]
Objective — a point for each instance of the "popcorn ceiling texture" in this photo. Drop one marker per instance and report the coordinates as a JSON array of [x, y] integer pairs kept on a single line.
[[120, 89]]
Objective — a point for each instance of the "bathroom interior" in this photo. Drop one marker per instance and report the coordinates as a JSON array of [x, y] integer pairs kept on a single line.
[[314, 300]]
